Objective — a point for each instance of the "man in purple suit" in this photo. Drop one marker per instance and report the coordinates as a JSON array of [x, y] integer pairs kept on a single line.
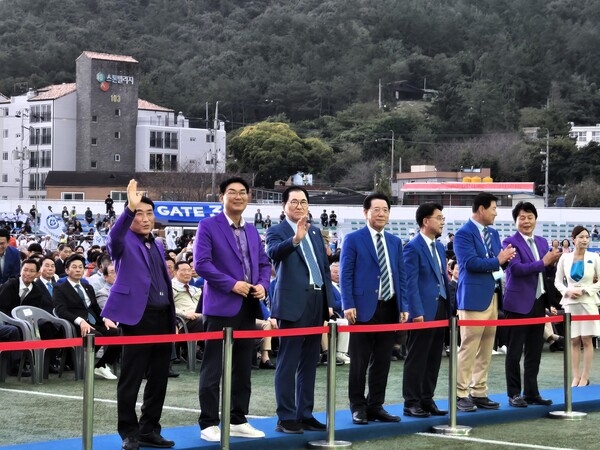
[[141, 301], [229, 255], [526, 296]]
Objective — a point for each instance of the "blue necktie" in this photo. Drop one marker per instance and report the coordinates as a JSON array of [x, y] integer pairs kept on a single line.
[[90, 317], [384, 279], [50, 287], [488, 242], [440, 272], [312, 263]]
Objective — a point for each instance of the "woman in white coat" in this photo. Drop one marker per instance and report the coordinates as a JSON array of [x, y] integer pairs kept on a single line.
[[577, 279]]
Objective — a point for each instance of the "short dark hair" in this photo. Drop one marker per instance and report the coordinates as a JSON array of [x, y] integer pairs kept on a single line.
[[49, 258], [375, 196], [286, 194], [577, 230], [5, 233], [180, 263], [484, 199], [74, 257], [525, 207], [426, 210], [144, 199], [168, 258], [34, 247], [31, 261], [105, 269], [224, 184]]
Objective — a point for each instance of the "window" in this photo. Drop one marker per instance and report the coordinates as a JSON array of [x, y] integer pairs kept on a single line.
[[171, 140], [117, 157], [210, 137], [37, 181], [4, 134], [581, 136], [163, 162], [596, 136], [94, 141], [118, 196], [43, 158], [72, 196], [40, 113], [117, 135], [117, 112], [93, 164], [4, 156], [4, 178], [3, 112], [94, 119], [156, 139]]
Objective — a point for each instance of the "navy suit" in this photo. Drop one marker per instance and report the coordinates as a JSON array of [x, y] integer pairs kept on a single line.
[[359, 280], [295, 304], [425, 278], [12, 264]]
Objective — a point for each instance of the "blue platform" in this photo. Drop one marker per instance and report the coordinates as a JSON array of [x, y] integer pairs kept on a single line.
[[584, 400]]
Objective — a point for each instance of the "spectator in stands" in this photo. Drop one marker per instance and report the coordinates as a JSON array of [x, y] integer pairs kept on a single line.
[[450, 244], [170, 266], [580, 269], [595, 233], [9, 258], [109, 203], [282, 216], [108, 274], [33, 213], [19, 210], [48, 245], [65, 214], [324, 218], [258, 219], [565, 246], [556, 245], [333, 219], [76, 302], [64, 251], [89, 216], [267, 223], [97, 279]]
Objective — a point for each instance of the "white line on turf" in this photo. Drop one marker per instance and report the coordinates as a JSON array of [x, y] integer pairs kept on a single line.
[[491, 441], [104, 400]]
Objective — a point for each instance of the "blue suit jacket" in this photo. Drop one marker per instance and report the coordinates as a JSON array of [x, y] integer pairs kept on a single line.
[[476, 283], [128, 297], [522, 274], [218, 260], [12, 264], [423, 278], [359, 273], [290, 293]]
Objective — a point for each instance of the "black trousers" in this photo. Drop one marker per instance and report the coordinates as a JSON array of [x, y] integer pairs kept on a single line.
[[211, 368], [150, 360], [422, 363], [372, 353], [528, 339]]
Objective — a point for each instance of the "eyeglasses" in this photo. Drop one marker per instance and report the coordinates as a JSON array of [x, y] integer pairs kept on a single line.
[[236, 193], [440, 218], [380, 210], [295, 203]]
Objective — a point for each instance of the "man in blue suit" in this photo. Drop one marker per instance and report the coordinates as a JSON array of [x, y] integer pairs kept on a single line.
[[373, 282], [302, 298], [427, 295], [481, 257], [10, 261], [229, 255]]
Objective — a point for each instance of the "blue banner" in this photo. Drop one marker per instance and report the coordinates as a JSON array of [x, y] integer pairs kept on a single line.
[[184, 213]]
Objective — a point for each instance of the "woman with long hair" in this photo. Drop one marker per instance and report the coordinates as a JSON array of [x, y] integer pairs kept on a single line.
[[575, 275]]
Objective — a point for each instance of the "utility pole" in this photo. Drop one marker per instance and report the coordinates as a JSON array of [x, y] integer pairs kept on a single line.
[[392, 167], [547, 168]]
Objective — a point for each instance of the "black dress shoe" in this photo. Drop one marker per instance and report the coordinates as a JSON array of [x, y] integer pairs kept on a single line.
[[382, 416], [154, 440], [173, 374], [289, 427], [434, 410], [130, 444], [313, 424], [537, 400], [359, 418], [517, 401], [465, 404], [267, 365], [415, 411], [484, 402]]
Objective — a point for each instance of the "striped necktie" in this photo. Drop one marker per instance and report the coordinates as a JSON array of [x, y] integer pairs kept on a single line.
[[488, 242], [385, 292], [436, 260], [311, 262]]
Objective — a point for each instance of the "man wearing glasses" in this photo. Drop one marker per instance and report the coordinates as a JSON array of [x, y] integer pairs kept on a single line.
[[373, 281], [229, 255], [302, 297]]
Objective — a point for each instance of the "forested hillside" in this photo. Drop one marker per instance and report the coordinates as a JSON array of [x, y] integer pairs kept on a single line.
[[495, 63]]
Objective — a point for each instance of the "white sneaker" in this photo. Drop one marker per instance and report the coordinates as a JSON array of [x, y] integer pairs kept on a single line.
[[105, 372], [502, 349], [494, 353], [245, 430], [212, 434], [343, 357]]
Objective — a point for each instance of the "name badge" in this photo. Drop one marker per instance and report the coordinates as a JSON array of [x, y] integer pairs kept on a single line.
[[498, 274]]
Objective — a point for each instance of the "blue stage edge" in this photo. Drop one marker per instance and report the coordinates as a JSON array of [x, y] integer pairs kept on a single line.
[[585, 399]]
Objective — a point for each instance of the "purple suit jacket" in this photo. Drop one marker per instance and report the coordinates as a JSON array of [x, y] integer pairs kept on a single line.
[[522, 273], [218, 260], [128, 297]]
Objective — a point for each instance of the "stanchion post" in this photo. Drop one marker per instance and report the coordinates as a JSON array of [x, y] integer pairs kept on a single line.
[[331, 443], [88, 390], [452, 428], [226, 391], [568, 413]]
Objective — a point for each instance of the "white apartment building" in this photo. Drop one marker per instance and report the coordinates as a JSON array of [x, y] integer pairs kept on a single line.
[[583, 135], [97, 124]]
